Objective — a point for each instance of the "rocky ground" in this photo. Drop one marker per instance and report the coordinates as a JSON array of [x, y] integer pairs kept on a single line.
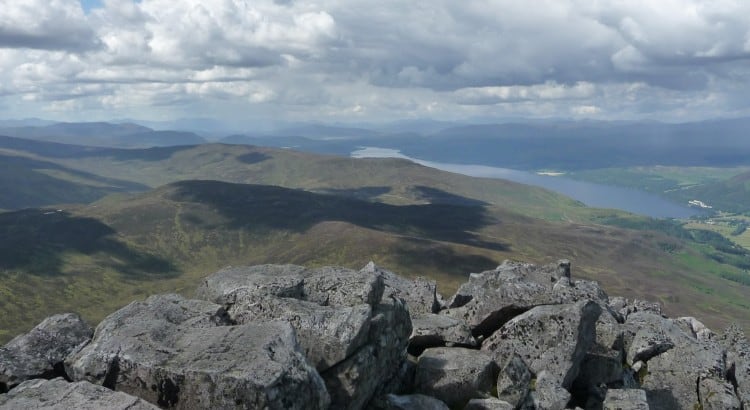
[[287, 337]]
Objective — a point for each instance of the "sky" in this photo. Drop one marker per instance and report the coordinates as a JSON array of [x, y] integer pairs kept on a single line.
[[374, 60]]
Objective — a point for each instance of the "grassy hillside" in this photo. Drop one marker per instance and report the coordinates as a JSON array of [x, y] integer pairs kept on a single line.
[[96, 258]]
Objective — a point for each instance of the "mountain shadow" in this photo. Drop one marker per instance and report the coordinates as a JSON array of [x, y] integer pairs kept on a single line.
[[269, 207], [27, 182], [36, 241]]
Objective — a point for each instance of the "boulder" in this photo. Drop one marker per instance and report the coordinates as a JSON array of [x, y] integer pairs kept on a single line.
[[738, 361], [355, 336], [488, 404], [554, 339], [432, 330], [455, 375], [227, 285], [59, 394], [490, 299], [414, 402], [420, 294], [717, 394], [625, 399], [547, 394], [40, 353], [514, 381], [185, 354], [670, 360], [368, 372]]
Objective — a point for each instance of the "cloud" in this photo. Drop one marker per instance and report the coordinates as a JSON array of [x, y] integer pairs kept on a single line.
[[46, 25], [379, 59]]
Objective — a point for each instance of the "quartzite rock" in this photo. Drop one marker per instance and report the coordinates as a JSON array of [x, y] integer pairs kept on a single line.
[[227, 285], [420, 294], [489, 299], [738, 361], [58, 394], [455, 375], [550, 338], [40, 353], [432, 330], [717, 394], [181, 353]]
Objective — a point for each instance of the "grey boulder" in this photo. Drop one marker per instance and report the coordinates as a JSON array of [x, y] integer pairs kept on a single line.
[[455, 375], [40, 352], [414, 402], [420, 294], [489, 299], [488, 404], [58, 394], [738, 361], [552, 338], [185, 354], [433, 330]]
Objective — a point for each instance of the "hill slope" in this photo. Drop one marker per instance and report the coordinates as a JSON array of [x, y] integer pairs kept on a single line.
[[96, 258]]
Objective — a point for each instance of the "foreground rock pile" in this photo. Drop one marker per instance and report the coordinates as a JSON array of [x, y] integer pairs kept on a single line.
[[287, 337]]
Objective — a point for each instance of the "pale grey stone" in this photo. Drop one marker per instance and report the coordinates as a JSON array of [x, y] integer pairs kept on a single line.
[[57, 394]]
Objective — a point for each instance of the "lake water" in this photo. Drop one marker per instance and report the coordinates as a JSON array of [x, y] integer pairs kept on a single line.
[[591, 194]]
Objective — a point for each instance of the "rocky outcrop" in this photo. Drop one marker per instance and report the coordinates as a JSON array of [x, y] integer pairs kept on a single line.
[[40, 353], [283, 336], [59, 394], [187, 354], [355, 337]]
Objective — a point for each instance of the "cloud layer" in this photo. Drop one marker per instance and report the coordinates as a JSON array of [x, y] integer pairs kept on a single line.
[[266, 60]]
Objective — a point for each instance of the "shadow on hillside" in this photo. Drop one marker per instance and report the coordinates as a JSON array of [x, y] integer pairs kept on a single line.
[[24, 183], [258, 206], [436, 196], [368, 193], [67, 151], [423, 255], [36, 241]]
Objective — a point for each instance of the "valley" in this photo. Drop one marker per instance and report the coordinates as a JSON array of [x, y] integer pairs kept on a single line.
[[177, 214]]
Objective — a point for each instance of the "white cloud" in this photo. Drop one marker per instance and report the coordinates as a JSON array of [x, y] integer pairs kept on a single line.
[[378, 59]]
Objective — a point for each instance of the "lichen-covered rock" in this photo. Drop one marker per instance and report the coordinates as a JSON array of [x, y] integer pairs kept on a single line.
[[420, 294], [454, 375], [717, 394], [414, 402], [365, 374], [554, 339], [624, 307], [489, 299], [488, 404], [432, 330], [227, 285], [185, 354], [738, 361], [514, 380], [333, 286], [58, 394], [670, 359], [547, 394], [327, 334], [40, 352], [625, 399]]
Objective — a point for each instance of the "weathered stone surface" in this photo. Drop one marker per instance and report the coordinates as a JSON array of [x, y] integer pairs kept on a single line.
[[40, 353], [420, 294], [432, 330], [489, 299], [364, 375], [514, 380], [181, 353], [414, 402], [715, 394], [670, 360], [333, 286], [454, 375], [58, 394], [488, 404], [227, 285], [625, 399], [550, 338], [327, 334], [624, 307], [547, 394], [738, 361]]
